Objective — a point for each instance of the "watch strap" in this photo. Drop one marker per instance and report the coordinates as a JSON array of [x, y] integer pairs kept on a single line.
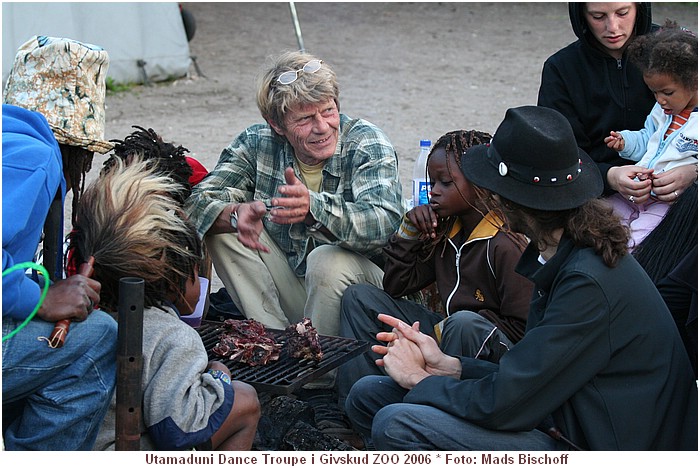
[[315, 226], [234, 218], [219, 375]]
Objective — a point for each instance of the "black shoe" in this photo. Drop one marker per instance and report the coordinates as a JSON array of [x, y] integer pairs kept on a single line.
[[329, 416], [221, 307]]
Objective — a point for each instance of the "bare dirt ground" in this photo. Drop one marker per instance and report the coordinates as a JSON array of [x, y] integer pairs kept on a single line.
[[417, 70]]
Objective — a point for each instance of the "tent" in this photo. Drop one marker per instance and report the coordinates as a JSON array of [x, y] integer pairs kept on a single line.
[[145, 41]]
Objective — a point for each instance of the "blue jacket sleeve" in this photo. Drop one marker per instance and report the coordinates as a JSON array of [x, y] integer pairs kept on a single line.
[[32, 173], [20, 294], [636, 142]]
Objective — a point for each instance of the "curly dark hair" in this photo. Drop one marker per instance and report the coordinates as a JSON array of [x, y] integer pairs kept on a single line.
[[672, 50], [167, 158], [593, 224]]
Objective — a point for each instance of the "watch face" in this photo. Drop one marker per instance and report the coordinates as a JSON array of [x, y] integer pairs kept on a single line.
[[234, 219], [220, 375]]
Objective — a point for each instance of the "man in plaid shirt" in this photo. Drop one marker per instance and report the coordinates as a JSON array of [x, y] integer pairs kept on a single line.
[[299, 208]]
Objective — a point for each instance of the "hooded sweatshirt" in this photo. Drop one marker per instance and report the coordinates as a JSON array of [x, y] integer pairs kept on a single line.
[[596, 92], [32, 174]]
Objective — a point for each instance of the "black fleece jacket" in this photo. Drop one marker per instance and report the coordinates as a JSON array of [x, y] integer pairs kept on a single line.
[[596, 92]]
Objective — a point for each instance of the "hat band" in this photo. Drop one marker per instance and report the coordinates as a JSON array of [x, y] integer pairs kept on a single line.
[[531, 175]]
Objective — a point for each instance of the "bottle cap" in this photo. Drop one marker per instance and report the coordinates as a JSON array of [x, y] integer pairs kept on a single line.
[[425, 143]]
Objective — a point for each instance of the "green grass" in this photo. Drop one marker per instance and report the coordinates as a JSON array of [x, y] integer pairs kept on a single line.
[[114, 87]]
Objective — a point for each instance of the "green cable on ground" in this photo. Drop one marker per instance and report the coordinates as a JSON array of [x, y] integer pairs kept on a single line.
[[42, 270]]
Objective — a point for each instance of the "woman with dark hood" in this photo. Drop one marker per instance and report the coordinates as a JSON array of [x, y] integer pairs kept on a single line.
[[592, 83]]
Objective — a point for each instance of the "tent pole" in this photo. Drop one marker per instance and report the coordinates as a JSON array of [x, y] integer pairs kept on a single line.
[[297, 28]]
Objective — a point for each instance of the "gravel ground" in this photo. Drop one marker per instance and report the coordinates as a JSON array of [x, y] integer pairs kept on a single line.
[[417, 70]]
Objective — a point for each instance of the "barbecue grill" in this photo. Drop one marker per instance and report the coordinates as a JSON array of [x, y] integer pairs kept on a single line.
[[287, 374]]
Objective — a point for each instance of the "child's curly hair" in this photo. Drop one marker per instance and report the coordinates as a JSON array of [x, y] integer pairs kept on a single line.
[[128, 221], [671, 50]]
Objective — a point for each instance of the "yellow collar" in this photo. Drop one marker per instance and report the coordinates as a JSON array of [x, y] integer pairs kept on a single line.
[[487, 227]]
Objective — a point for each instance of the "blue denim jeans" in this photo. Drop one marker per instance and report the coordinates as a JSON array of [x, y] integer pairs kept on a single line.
[[464, 333], [375, 408], [66, 391]]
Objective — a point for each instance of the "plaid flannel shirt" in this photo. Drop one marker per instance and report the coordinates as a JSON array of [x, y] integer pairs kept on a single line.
[[360, 200]]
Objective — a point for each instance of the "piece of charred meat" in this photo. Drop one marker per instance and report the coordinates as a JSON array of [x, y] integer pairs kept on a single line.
[[248, 342], [302, 341]]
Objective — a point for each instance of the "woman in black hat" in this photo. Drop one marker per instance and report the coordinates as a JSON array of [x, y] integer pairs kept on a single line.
[[601, 365]]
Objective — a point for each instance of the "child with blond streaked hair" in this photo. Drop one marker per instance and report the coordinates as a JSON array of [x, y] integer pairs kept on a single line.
[[130, 223]]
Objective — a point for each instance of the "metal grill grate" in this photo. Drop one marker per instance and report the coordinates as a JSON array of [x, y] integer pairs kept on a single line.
[[287, 374]]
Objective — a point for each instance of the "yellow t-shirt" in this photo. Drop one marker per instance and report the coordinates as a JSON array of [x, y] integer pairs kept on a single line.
[[311, 175]]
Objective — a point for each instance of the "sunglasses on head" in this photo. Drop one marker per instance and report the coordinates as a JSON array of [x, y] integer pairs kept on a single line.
[[291, 76]]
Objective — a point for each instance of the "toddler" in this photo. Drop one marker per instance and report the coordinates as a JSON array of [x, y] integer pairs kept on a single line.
[[669, 63]]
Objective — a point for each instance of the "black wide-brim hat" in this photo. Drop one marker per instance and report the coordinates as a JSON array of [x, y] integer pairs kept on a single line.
[[533, 160]]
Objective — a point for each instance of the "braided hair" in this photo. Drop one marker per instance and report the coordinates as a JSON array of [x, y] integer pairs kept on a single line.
[[455, 144], [77, 161], [168, 159]]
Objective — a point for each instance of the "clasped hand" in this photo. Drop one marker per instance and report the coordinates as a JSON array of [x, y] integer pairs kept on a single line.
[[410, 356], [639, 182]]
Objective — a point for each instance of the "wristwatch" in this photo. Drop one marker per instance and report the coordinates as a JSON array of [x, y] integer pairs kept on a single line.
[[220, 375], [234, 218]]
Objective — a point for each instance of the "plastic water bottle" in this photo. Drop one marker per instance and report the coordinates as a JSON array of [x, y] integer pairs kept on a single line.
[[421, 186]]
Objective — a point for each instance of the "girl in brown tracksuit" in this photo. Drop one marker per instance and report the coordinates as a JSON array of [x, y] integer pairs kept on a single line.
[[466, 254]]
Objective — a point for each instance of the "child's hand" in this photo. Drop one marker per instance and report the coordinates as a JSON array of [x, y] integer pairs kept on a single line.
[[615, 141], [425, 219]]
